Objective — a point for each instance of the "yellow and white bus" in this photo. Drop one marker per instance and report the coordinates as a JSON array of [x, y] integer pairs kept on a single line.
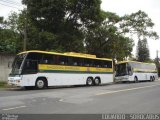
[[42, 69], [135, 71]]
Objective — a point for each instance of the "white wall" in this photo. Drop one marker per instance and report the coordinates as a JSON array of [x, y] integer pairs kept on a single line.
[[4, 70]]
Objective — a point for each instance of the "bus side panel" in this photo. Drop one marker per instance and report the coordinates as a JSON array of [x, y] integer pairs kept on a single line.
[[106, 78], [140, 76], [75, 79], [59, 79], [29, 80], [143, 76], [65, 79]]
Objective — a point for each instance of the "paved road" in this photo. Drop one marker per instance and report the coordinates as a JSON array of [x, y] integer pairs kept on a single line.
[[141, 97]]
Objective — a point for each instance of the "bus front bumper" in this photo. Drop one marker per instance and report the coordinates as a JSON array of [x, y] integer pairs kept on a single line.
[[14, 81]]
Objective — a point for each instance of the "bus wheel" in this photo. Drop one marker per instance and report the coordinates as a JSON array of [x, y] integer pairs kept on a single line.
[[41, 83], [97, 81], [135, 79], [151, 78], [89, 81]]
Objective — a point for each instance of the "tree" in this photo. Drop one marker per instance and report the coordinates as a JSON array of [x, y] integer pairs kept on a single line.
[[35, 39], [8, 38], [2, 23], [143, 51], [113, 36], [105, 40], [65, 20], [79, 26], [138, 24]]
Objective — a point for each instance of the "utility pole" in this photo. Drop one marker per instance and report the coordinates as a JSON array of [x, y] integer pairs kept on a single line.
[[157, 64], [157, 54], [25, 32]]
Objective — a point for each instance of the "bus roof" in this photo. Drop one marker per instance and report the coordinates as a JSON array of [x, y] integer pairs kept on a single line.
[[133, 62], [72, 54]]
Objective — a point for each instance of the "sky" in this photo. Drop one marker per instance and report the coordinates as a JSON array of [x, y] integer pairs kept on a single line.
[[120, 7], [151, 7]]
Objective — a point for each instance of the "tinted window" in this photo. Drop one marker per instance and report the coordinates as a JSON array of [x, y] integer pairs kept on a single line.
[[30, 67], [121, 69], [89, 62], [17, 64], [143, 66], [97, 63], [107, 64], [34, 56], [103, 63], [42, 58], [62, 60], [75, 61], [65, 60], [48, 59]]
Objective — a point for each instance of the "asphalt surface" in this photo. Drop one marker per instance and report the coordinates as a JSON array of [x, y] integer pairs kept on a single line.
[[143, 97]]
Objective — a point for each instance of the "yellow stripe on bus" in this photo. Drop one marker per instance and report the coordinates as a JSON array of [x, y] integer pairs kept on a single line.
[[73, 68], [143, 70]]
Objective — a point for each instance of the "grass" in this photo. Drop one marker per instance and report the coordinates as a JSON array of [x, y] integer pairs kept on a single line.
[[3, 84]]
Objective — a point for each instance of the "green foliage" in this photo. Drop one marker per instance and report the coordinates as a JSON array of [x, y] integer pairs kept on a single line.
[[9, 38], [110, 37], [7, 41], [65, 20], [2, 23], [74, 25], [139, 24], [1, 19], [143, 51], [106, 41]]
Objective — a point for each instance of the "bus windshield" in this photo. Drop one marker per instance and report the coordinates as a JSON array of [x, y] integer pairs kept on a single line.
[[16, 66], [121, 69]]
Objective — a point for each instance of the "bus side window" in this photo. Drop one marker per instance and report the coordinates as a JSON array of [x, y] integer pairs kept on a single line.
[[98, 66], [105, 66], [48, 59], [75, 63], [88, 62], [80, 62], [30, 66], [108, 64], [97, 63], [63, 60]]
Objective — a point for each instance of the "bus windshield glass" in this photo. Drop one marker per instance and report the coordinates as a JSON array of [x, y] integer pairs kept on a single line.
[[121, 69], [16, 66]]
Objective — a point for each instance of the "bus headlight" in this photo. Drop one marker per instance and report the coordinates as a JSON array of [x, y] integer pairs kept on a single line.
[[18, 81]]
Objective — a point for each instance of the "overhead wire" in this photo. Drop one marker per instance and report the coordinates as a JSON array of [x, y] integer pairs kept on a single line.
[[10, 4]]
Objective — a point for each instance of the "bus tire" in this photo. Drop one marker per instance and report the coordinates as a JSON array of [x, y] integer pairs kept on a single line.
[[135, 79], [97, 81], [151, 78], [89, 81], [41, 83]]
